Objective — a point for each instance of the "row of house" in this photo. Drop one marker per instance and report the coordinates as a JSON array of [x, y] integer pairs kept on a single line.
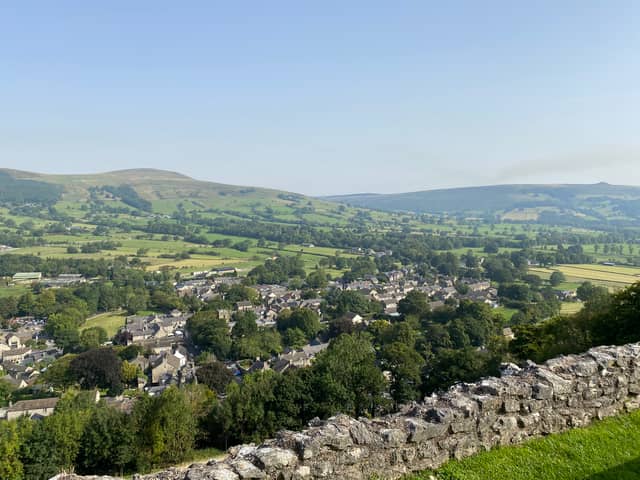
[[401, 282], [287, 360], [140, 329], [40, 408]]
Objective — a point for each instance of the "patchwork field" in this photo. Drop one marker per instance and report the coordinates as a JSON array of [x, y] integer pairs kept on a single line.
[[153, 251], [610, 276]]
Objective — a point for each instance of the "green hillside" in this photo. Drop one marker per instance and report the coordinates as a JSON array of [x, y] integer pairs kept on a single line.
[[573, 204], [163, 192]]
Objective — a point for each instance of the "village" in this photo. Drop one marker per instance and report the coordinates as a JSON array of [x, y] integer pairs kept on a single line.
[[168, 358]]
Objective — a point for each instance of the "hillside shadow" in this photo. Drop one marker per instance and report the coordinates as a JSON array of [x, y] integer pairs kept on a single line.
[[626, 471]]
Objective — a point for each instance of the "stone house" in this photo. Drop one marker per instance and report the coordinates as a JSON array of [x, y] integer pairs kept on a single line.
[[354, 318], [11, 340], [15, 355], [42, 407]]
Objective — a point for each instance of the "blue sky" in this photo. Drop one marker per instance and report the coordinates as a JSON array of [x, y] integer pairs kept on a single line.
[[325, 97]]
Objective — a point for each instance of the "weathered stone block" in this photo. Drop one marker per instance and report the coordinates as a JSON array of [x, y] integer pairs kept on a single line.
[[420, 431], [511, 405], [488, 403], [463, 425], [393, 437], [322, 470], [302, 473], [542, 391], [270, 458], [247, 470], [361, 435], [560, 385]]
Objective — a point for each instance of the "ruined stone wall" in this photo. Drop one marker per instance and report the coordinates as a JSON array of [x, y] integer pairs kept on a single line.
[[563, 393]]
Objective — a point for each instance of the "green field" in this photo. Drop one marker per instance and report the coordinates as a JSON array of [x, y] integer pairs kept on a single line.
[[614, 277], [110, 321], [506, 313], [569, 308], [607, 450], [13, 291]]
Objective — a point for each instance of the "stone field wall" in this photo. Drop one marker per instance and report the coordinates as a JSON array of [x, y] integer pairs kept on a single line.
[[564, 393]]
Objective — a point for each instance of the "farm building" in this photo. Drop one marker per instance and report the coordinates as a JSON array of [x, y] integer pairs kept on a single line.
[[27, 277]]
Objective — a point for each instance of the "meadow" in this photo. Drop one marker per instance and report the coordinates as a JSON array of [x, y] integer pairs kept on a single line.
[[569, 308], [110, 321], [614, 277]]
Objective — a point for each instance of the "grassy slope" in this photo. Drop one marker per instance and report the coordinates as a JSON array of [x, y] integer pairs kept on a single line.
[[166, 190], [607, 450]]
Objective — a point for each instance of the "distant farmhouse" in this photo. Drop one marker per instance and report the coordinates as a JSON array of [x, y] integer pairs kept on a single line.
[[27, 277]]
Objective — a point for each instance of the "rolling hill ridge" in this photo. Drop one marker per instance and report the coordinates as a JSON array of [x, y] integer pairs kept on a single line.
[[560, 203], [164, 192], [160, 192]]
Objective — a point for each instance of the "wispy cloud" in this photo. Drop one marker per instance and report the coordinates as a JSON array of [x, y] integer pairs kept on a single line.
[[578, 163]]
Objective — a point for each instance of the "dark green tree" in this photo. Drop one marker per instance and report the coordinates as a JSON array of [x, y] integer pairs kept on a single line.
[[556, 278], [347, 379], [107, 445], [214, 375], [210, 333], [415, 303], [99, 367], [405, 365], [166, 429]]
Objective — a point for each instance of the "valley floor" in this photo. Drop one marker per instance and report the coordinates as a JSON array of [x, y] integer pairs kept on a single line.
[[607, 450]]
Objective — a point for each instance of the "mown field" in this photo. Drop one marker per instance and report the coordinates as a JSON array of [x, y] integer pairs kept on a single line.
[[110, 321], [614, 277], [569, 308], [606, 450]]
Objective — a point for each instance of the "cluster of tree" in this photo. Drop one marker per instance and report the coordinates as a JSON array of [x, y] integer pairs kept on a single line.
[[340, 302], [20, 239], [129, 196], [572, 254], [97, 247], [210, 334], [278, 271], [505, 267], [423, 352], [360, 267], [298, 326], [10, 264], [604, 320], [533, 301], [345, 378], [18, 191], [98, 367], [93, 438]]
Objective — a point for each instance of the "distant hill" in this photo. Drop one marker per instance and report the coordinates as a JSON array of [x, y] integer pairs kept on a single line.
[[160, 192], [548, 203], [151, 191]]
